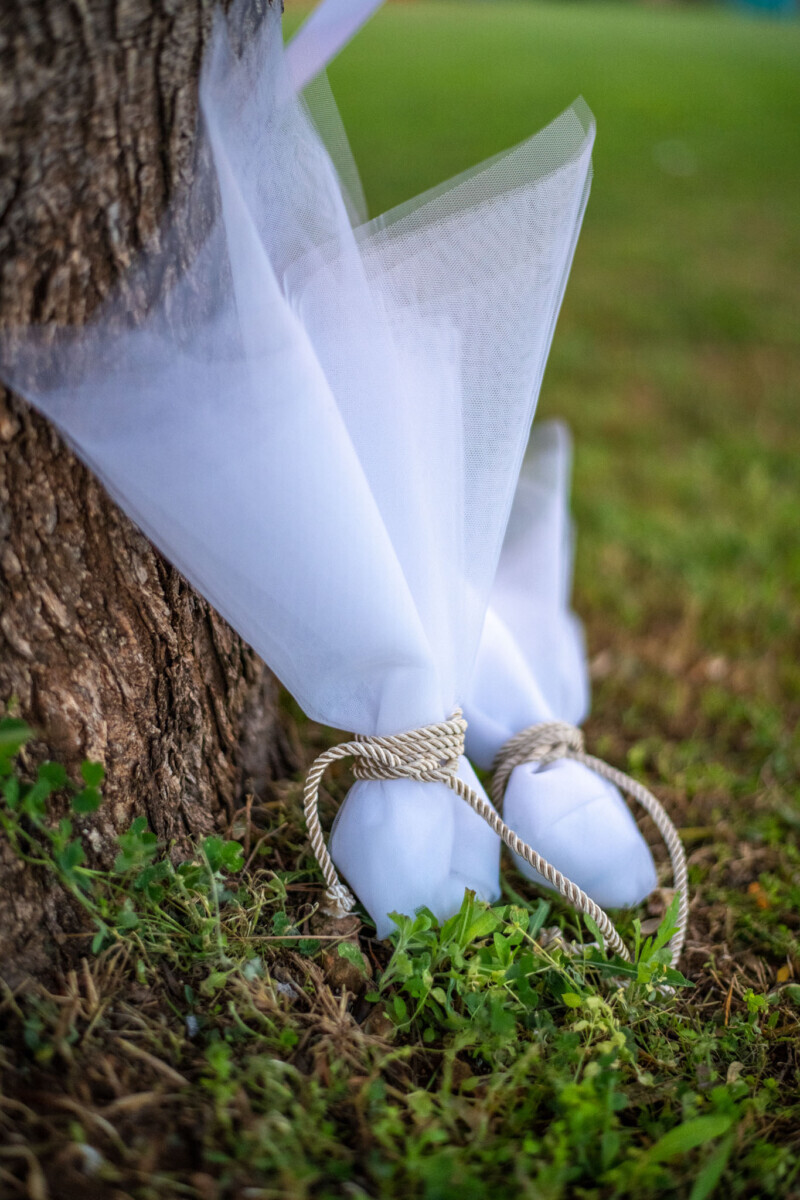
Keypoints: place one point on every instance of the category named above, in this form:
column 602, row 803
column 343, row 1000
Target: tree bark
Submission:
column 109, row 652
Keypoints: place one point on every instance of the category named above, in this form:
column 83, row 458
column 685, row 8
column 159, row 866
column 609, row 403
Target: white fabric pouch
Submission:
column 531, row 668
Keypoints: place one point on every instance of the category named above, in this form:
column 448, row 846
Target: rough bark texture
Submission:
column 110, row 653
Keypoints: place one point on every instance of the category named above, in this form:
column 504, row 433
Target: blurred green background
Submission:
column 677, row 356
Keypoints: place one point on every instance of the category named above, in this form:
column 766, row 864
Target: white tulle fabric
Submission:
column 531, row 663
column 322, row 35
column 531, row 667
column 322, row 426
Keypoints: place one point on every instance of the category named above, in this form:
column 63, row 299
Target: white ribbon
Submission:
column 321, row 37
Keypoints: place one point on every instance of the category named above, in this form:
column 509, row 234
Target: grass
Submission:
column 220, row 1039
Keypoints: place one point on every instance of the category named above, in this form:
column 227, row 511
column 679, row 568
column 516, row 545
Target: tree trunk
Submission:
column 109, row 652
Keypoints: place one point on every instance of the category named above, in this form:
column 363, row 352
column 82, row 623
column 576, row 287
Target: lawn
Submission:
column 207, row 1048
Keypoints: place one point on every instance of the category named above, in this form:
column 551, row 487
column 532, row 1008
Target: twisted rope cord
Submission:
column 430, row 754
column 552, row 740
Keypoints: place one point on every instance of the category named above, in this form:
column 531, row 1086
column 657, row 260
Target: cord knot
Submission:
column 339, row 900
column 429, row 753
column 543, row 743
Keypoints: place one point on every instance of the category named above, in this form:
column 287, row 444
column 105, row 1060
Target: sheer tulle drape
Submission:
column 322, row 426
column 531, row 664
